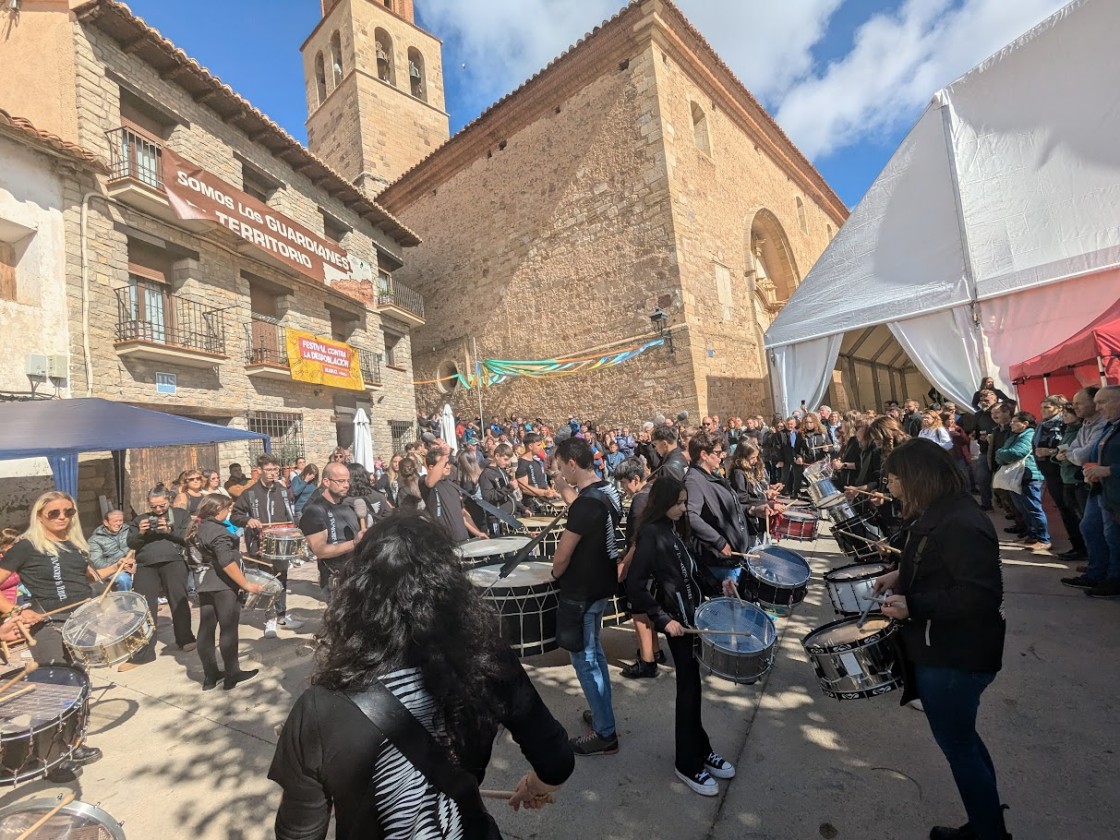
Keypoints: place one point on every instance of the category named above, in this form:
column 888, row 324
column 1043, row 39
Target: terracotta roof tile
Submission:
column 53, row 142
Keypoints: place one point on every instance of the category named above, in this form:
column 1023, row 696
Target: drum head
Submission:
column 779, row 566
column 271, row 585
column 284, row 531
column 57, row 687
column 845, row 633
column 493, row 547
column 115, row 616
column 799, row 515
column 523, row 575
column 858, row 571
column 832, row 500
column 535, row 521
column 730, row 614
column 76, row 820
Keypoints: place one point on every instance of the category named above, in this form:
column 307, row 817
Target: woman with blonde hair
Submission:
column 933, row 429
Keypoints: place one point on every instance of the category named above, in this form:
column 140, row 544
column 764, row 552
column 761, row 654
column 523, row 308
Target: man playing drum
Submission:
column 330, row 525
column 263, row 504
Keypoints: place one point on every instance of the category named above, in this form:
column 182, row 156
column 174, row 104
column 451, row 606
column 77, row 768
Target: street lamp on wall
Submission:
column 660, row 319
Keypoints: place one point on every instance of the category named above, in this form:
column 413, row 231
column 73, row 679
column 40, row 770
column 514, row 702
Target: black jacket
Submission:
column 268, row 506
column 716, row 518
column 788, row 452
column 674, row 464
column 497, row 489
column 218, row 549
column 662, row 570
column 155, row 547
column 951, row 577
column 750, row 493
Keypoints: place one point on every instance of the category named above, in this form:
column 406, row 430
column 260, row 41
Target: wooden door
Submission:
column 149, row 467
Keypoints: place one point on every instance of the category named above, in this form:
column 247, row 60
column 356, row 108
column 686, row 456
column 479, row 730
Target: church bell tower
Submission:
column 374, row 90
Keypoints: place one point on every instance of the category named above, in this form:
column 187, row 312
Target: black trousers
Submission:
column 1072, row 507
column 172, row 577
column 219, row 611
column 692, row 745
column 48, row 642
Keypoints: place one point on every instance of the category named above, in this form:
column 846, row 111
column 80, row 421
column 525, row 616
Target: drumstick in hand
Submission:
column 27, row 688
column 696, row 632
column 27, row 669
column 112, row 580
column 878, row 543
column 39, row 823
column 27, row 637
column 67, row 607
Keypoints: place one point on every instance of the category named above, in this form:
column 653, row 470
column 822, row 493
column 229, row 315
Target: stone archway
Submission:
column 773, row 271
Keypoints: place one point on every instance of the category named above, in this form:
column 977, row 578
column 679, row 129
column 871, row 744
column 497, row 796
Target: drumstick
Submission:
column 880, row 543
column 883, row 496
column 255, row 560
column 67, row 607
column 7, row 652
column 27, row 669
column 16, row 694
column 109, row 585
column 696, row 632
column 26, row 635
column 39, row 823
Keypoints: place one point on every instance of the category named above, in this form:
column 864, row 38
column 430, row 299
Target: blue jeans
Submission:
column 722, row 573
column 1102, row 538
column 951, row 699
column 1029, row 504
column 591, row 668
column 123, row 582
column 983, row 479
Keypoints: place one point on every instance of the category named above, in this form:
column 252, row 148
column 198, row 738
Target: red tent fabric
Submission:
column 1078, row 361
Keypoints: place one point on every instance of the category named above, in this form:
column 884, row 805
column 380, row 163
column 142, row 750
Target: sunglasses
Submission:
column 64, row 513
column 194, row 478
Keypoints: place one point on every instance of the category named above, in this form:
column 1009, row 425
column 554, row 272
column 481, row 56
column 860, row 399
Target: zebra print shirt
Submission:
column 409, row 806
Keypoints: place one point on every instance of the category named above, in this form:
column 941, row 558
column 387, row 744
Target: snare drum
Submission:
column 837, row 507
column 739, row 659
column 40, row 728
column 108, row 630
column 264, row 600
column 853, row 663
column 283, row 543
column 861, row 525
column 74, row 820
column 777, row 578
column 526, row 603
column 820, row 490
column 489, row 552
column 849, row 587
column 552, row 507
column 796, row 525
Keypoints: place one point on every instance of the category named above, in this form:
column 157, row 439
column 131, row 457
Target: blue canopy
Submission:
column 60, row 429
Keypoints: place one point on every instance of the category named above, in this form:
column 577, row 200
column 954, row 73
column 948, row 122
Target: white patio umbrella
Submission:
column 447, row 427
column 363, row 442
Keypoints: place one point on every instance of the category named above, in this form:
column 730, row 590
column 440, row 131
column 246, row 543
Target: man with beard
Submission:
column 331, row 526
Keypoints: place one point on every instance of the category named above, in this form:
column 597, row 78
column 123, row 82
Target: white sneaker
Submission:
column 289, row 622
column 702, row 783
column 719, row 766
column 161, row 600
column 270, row 629
column 916, row 704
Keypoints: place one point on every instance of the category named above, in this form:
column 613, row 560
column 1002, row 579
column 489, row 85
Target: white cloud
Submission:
column 897, row 62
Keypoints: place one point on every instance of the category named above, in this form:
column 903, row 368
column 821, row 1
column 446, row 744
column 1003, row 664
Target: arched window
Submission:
column 416, row 74
column 336, row 58
column 700, row 130
column 383, row 45
column 320, row 78
column 801, row 215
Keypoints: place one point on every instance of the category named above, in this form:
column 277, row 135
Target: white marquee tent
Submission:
column 992, row 234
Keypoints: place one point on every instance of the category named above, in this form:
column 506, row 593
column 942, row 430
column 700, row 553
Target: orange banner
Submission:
column 323, row 362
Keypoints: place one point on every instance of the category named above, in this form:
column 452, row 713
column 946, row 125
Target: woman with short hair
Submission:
column 947, row 597
column 1019, row 446
column 406, row 630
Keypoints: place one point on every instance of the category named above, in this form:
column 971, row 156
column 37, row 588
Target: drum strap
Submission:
column 397, row 724
column 917, row 560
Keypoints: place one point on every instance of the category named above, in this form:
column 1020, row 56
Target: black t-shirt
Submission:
column 52, row 581
column 445, row 505
column 637, row 507
column 592, row 573
column 534, row 471
column 339, row 521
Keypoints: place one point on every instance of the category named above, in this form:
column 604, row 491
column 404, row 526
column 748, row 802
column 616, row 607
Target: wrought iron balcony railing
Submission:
column 150, row 312
column 134, row 156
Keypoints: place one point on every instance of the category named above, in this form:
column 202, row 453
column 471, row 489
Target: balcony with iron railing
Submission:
column 155, row 324
column 371, row 366
column 266, row 349
column 400, row 301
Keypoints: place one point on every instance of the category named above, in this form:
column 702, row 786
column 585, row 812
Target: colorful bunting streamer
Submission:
column 496, row 371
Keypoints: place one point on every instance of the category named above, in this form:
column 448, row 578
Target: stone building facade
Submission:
column 169, row 309
column 634, row 173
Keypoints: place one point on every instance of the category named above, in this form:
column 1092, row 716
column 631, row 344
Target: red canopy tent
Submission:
column 1088, row 357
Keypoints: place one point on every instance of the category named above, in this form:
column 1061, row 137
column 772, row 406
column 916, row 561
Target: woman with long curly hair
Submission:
column 405, row 618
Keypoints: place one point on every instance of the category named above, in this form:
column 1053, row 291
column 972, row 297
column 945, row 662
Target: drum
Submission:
column 283, row 543
column 849, row 587
column 74, row 820
column 41, row 727
column 552, row 507
column 533, row 525
column 796, row 525
column 820, row 490
column 526, row 603
column 777, row 578
column 838, row 508
column 108, row 630
column 263, row 601
column 618, row 611
column 739, row 659
column 862, row 525
column 488, row 552
column 852, row 662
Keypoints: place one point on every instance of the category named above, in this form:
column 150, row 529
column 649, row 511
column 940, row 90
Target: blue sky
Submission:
column 844, row 78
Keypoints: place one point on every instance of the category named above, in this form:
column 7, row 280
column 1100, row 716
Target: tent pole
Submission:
column 478, row 386
column 1045, row 385
column 1100, row 370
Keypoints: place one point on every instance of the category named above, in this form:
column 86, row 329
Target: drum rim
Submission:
column 865, row 693
column 878, row 636
column 736, row 603
column 548, row 583
column 828, row 576
column 80, row 704
column 509, row 549
column 761, row 656
column 76, row 808
column 94, row 606
column 777, row 584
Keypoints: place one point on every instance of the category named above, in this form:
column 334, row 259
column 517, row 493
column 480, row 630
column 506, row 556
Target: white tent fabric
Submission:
column 447, row 427
column 363, row 441
column 1009, row 182
column 797, row 368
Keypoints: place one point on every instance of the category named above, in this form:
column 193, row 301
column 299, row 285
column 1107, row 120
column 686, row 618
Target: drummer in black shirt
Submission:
column 531, row 475
column 496, row 487
column 631, row 477
column 442, row 499
column 330, row 525
column 52, row 560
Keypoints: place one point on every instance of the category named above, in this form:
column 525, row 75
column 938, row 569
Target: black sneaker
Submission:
column 593, row 744
column 1071, row 556
column 1081, row 582
column 719, row 766
column 940, row 832
column 85, row 755
column 701, row 782
column 658, row 658
column 1014, row 530
column 640, row 670
column 1106, row 589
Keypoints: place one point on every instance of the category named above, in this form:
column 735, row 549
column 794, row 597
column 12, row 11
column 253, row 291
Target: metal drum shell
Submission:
column 820, row 490
column 99, row 654
column 867, row 667
column 737, row 666
column 778, row 596
column 797, row 524
column 263, row 601
column 839, row 508
column 849, row 592
column 82, row 817
column 50, row 741
column 284, row 543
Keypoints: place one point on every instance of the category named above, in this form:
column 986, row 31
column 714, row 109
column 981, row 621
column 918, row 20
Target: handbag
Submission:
column 394, row 721
column 1010, row 476
column 569, row 624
